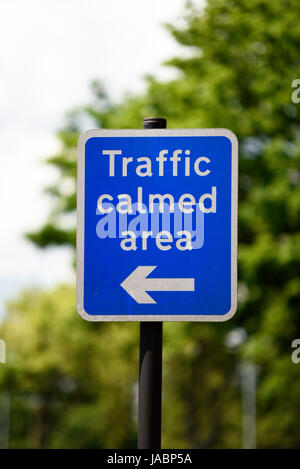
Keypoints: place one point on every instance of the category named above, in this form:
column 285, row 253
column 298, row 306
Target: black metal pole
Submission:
column 150, row 374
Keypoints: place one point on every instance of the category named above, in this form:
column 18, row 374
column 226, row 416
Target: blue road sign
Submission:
column 157, row 225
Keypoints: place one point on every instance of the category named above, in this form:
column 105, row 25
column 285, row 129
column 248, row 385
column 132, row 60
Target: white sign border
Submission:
column 80, row 221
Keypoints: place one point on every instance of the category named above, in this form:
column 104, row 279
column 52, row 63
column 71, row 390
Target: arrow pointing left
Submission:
column 137, row 284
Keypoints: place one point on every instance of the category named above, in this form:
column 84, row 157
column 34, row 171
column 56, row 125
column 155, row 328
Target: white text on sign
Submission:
column 179, row 163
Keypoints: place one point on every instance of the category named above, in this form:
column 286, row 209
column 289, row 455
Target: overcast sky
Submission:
column 50, row 50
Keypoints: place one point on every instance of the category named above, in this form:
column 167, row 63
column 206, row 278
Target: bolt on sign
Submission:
column 157, row 225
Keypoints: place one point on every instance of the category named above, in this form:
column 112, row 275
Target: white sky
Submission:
column 50, row 51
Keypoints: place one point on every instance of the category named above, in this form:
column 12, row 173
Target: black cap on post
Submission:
column 154, row 123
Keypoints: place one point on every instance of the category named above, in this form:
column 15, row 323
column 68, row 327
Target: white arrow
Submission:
column 137, row 284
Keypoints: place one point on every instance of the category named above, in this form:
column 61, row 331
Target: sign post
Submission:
column 156, row 237
column 150, row 365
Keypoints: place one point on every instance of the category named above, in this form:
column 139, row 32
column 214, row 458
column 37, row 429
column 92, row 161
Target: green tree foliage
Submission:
column 68, row 386
column 242, row 58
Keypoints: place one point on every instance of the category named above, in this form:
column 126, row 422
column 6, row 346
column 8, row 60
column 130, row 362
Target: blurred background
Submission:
column 70, row 65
